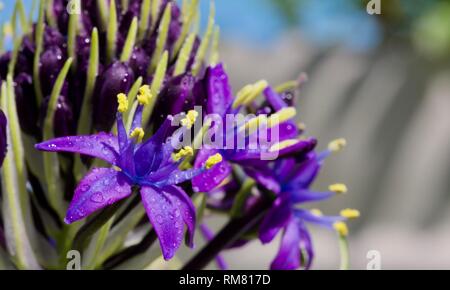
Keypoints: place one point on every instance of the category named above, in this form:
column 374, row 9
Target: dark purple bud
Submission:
column 25, row 57
column 4, row 62
column 3, row 141
column 175, row 26
column 53, row 37
column 139, row 62
column 64, row 122
column 176, row 97
column 27, row 109
column 52, row 61
column 117, row 78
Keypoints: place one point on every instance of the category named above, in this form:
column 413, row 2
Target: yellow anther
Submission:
column 301, row 126
column 190, row 119
column 138, row 133
column 145, row 95
column 283, row 145
column 338, row 188
column 337, row 145
column 257, row 89
column 316, row 212
column 123, row 103
column 213, row 160
column 186, row 151
column 252, row 125
column 281, row 116
column 118, row 169
column 350, row 213
column 242, row 95
column 341, row 228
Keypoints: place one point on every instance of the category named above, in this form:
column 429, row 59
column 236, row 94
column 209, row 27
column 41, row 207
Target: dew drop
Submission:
column 97, row 197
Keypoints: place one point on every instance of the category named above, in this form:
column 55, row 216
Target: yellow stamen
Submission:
column 316, row 212
column 242, row 95
column 123, row 103
column 337, row 145
column 190, row 119
column 186, row 151
column 118, row 169
column 138, row 133
column 283, row 145
column 145, row 95
column 258, row 88
column 252, row 125
column 213, row 160
column 350, row 213
column 301, row 126
column 282, row 116
column 338, row 188
column 341, row 228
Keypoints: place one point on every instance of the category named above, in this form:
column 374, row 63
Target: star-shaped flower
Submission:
column 151, row 168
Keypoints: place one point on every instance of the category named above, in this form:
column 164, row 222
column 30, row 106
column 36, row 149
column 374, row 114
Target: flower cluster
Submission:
column 108, row 85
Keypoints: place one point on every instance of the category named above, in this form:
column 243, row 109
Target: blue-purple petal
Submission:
column 213, row 177
column 103, row 146
column 278, row 216
column 166, row 220
column 288, row 257
column 100, row 188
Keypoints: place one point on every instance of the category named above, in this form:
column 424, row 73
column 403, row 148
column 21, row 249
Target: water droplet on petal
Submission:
column 97, row 197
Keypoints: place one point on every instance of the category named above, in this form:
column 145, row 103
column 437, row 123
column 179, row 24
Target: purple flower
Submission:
column 150, row 168
column 3, row 141
column 292, row 178
column 219, row 101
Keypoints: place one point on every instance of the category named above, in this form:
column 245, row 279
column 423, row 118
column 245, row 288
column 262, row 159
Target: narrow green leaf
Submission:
column 205, row 41
column 156, row 6
column 145, row 17
column 91, row 255
column 72, row 37
column 185, row 53
column 14, row 189
column 188, row 20
column 14, row 56
column 130, row 41
column 157, row 82
column 19, row 155
column 31, row 15
column 51, row 17
column 214, row 57
column 85, row 121
column 22, row 16
column 103, row 14
column 200, row 206
column 125, row 5
column 111, row 36
column 39, row 40
column 131, row 103
column 51, row 162
column 13, row 22
column 344, row 252
column 241, row 198
column 163, row 32
column 119, row 233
